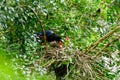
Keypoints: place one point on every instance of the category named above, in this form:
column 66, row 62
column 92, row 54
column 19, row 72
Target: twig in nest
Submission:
column 49, row 63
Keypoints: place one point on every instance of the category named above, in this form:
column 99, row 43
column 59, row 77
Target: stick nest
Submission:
column 82, row 66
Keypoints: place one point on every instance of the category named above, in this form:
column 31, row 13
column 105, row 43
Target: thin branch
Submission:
column 94, row 45
column 36, row 14
column 108, row 44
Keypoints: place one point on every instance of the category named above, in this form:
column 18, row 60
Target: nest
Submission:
column 66, row 62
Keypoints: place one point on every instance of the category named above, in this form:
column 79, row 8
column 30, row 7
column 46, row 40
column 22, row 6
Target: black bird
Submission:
column 50, row 37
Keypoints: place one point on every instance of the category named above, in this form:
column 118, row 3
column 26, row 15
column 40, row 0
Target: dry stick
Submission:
column 47, row 64
column 68, row 72
column 45, row 38
column 92, row 46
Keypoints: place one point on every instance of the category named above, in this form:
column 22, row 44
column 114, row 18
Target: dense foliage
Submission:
column 92, row 25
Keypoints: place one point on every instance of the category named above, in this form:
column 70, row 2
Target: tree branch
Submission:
column 94, row 45
column 45, row 38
